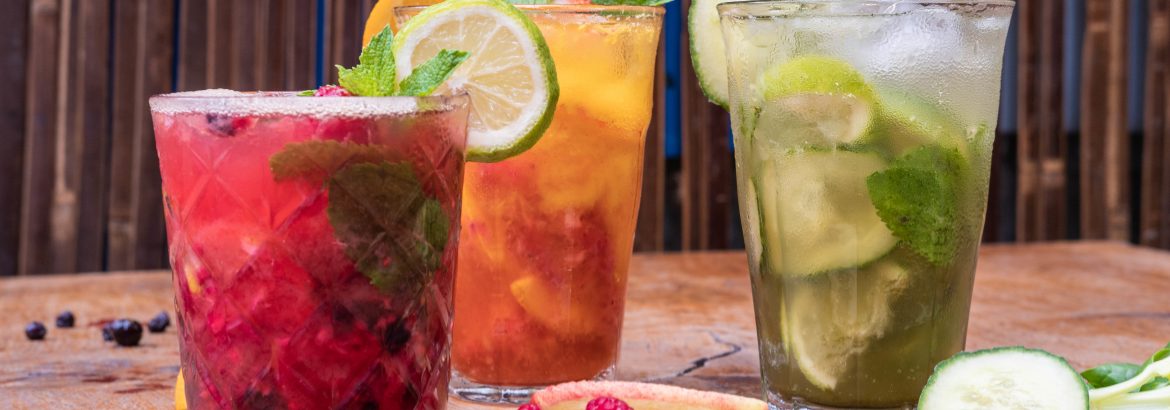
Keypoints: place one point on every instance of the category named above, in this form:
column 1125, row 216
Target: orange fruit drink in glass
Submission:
column 547, row 235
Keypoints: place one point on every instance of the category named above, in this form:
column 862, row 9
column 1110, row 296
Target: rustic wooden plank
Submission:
column 13, row 51
column 220, row 32
column 1155, row 189
column 246, row 55
column 86, row 122
column 1041, row 202
column 143, row 36
column 302, row 45
column 707, row 186
column 38, row 238
column 193, row 45
column 1104, row 136
column 650, row 235
column 346, row 20
column 689, row 322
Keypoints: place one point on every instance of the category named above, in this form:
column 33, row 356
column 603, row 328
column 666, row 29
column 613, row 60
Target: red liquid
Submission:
column 278, row 298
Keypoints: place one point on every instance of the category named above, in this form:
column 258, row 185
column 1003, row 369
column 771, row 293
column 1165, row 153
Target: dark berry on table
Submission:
column 107, row 332
column 159, row 322
column 65, row 319
column 35, row 331
column 126, row 332
column 332, row 91
column 529, row 406
column 396, row 336
column 607, row 403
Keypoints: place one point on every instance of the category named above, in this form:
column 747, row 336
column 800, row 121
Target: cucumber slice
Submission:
column 1004, row 378
column 816, row 214
column 707, row 50
column 834, row 318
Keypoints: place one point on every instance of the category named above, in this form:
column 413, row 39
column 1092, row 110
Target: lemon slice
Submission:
column 510, row 75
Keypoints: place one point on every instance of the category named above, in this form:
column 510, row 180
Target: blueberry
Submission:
column 222, row 124
column 126, row 332
column 107, row 332
column 396, row 336
column 65, row 319
column 35, row 331
column 159, row 323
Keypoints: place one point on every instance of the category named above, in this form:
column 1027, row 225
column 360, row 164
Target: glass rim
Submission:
column 290, row 103
column 768, row 4
column 570, row 8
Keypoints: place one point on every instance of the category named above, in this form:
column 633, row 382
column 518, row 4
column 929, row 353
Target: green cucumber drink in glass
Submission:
column 863, row 134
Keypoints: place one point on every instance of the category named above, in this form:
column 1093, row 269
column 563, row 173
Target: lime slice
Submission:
column 836, row 317
column 707, row 50
column 906, row 122
column 815, row 101
column 510, row 75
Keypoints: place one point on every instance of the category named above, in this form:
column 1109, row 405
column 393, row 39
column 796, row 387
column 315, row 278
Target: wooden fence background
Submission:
column 79, row 187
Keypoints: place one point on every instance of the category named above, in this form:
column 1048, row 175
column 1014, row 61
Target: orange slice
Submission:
column 641, row 396
column 383, row 15
column 553, row 308
column 180, row 393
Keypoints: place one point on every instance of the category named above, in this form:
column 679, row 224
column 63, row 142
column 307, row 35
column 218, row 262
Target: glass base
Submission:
column 466, row 389
column 775, row 402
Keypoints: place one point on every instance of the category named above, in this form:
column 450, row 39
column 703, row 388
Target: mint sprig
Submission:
column 375, row 74
column 917, row 199
column 428, row 76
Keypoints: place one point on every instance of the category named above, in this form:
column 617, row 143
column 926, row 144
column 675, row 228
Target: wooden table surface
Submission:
column 689, row 322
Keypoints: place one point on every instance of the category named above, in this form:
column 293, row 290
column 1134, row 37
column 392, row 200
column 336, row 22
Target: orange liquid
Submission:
column 547, row 235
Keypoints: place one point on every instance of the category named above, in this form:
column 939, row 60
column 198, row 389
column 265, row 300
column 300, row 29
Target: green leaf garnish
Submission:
column 374, row 74
column 427, row 77
column 392, row 230
column 1110, row 374
column 317, row 160
column 307, row 93
column 917, row 198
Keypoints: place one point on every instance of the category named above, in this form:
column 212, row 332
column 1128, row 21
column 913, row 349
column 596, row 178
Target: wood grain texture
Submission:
column 1105, row 147
column 689, row 322
column 707, row 187
column 1041, row 205
column 1155, row 189
column 13, row 50
column 650, row 233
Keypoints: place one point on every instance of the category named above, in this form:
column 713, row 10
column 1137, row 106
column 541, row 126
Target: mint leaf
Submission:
column 430, row 75
column 316, row 160
column 631, row 2
column 374, row 74
column 1110, row 374
column 917, row 198
column 393, row 232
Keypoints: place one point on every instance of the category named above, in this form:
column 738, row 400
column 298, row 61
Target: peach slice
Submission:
column 554, row 308
column 641, row 396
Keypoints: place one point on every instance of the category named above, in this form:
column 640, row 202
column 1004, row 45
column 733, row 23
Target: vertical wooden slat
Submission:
column 193, row 45
column 301, row 44
column 651, row 213
column 1040, row 203
column 1104, row 140
column 708, row 180
column 346, row 20
column 86, row 63
column 13, row 50
column 244, row 56
column 38, row 238
column 143, row 38
column 1155, row 190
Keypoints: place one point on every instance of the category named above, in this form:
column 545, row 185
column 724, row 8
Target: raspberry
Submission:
column 332, row 91
column 529, row 406
column 607, row 403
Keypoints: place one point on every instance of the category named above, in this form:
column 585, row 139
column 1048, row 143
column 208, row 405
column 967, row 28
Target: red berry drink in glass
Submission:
column 313, row 242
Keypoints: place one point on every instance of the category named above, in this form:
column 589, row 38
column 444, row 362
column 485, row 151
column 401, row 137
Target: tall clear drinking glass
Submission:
column 548, row 234
column 863, row 134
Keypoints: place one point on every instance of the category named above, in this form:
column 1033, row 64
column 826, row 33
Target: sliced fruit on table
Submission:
column 1004, row 378
column 509, row 74
column 556, row 310
column 815, row 101
column 826, row 331
column 641, row 396
column 815, row 212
